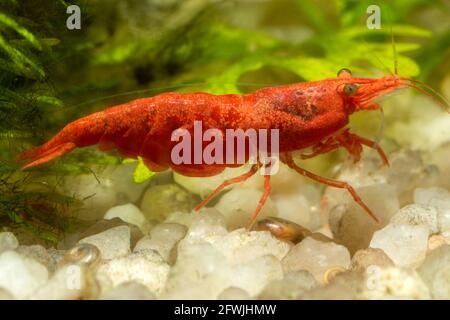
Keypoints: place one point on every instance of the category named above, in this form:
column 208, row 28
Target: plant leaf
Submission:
column 7, row 21
column 141, row 172
column 26, row 65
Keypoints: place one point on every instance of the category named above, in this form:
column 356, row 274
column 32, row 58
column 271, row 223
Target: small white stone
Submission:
column 181, row 217
column 241, row 246
column 98, row 192
column 405, row 244
column 203, row 272
column 211, row 260
column 299, row 206
column 207, row 225
column 367, row 258
column 316, row 257
column 129, row 291
column 351, row 225
column 415, row 214
column 145, row 267
column 121, row 177
column 413, row 132
column 291, row 286
column 67, row 283
column 112, row 243
column 161, row 200
column 21, row 276
column 162, row 239
column 130, row 214
column 8, row 241
column 254, row 275
column 238, row 205
column 405, row 171
column 200, row 272
column 435, row 271
column 103, row 189
column 394, row 283
column 438, row 198
column 38, row 253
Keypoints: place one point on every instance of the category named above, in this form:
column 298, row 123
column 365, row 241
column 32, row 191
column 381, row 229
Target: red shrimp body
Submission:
column 311, row 114
column 144, row 127
column 304, row 113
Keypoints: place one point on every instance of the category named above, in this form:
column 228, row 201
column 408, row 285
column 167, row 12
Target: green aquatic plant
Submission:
column 34, row 206
column 25, row 97
column 141, row 172
column 192, row 52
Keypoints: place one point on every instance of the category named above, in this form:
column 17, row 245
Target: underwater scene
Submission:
column 224, row 149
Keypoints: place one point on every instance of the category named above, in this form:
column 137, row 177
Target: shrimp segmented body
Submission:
column 312, row 115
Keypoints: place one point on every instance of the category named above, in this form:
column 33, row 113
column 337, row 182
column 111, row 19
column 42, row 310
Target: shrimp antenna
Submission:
column 161, row 88
column 427, row 90
column 394, row 52
column 416, row 84
column 394, row 48
column 385, row 67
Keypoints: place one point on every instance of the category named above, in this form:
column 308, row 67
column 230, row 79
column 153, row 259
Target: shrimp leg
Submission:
column 261, row 202
column 227, row 183
column 330, row 182
column 238, row 179
column 322, row 147
column 352, row 139
column 351, row 142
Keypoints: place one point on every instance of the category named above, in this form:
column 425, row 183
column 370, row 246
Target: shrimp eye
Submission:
column 344, row 72
column 350, row 89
